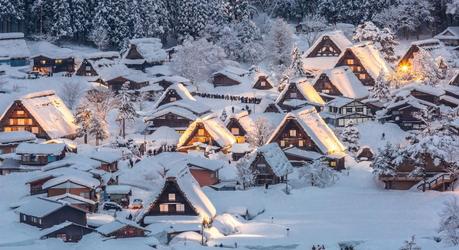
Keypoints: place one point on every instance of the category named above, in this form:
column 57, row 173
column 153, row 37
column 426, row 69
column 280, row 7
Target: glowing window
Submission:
column 333, row 164
column 350, row 61
column 362, row 76
column 201, row 132
column 173, row 99
column 21, row 121
column 292, row 132
column 164, row 208
column 300, row 143
column 58, row 61
column 171, row 197
column 235, row 131
column 180, row 208
column 20, row 112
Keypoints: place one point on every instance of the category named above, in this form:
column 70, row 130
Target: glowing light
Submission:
column 404, row 68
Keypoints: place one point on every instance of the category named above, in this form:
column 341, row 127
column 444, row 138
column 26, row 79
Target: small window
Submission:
column 301, row 143
column 282, row 143
column 180, row 207
column 171, row 197
column 348, row 110
column 11, row 121
column 350, row 61
column 20, row 112
column 58, row 61
column 163, row 208
column 39, row 221
column 88, row 68
column 43, row 61
column 173, row 99
column 263, row 84
column 362, row 76
column 293, row 95
column 235, row 131
column 360, row 110
column 201, row 132
column 292, row 132
column 333, row 164
column 7, row 129
column 35, row 130
column 21, row 121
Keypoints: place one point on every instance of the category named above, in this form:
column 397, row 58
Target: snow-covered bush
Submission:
column 410, row 244
column 197, row 59
column 244, row 171
column 317, row 174
column 226, row 224
column 126, row 110
column 278, row 46
column 260, row 133
column 350, row 137
column 449, row 223
column 381, row 89
column 384, row 39
column 383, row 164
column 71, row 92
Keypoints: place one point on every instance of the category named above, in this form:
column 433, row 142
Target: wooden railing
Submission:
column 435, row 181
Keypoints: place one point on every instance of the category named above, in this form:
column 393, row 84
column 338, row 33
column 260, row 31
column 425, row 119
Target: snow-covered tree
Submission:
column 381, row 89
column 192, row 17
column 83, row 117
column 11, row 9
column 317, row 174
column 126, row 109
column 98, row 128
column 383, row 163
column 410, row 244
column 149, row 18
column 61, row 23
column 81, row 13
column 101, row 101
column 197, row 59
column 296, row 68
column 237, row 9
column 71, row 92
column 384, row 39
column 112, row 17
column 312, row 26
column 260, row 133
column 245, row 173
column 449, row 223
column 366, row 31
column 350, row 137
column 425, row 68
column 278, row 46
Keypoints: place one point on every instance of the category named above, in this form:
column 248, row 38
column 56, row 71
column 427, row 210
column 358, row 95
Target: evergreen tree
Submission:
column 237, row 9
column 383, row 164
column 112, row 18
column 245, row 172
column 449, row 223
column 98, row 128
column 12, row 9
column 81, row 13
column 350, row 137
column 61, row 23
column 387, row 42
column 410, row 244
column 278, row 46
column 381, row 89
column 192, row 17
column 425, row 68
column 149, row 18
column 83, row 117
column 126, row 109
column 296, row 69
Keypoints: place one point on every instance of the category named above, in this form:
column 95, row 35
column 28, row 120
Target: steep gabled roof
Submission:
column 41, row 207
column 79, row 180
column 217, row 130
column 316, row 128
column 275, row 158
column 180, row 89
column 371, row 59
column 337, row 37
column 150, row 49
column 346, row 82
column 451, row 32
column 306, row 90
column 116, row 225
column 177, row 110
column 50, row 112
column 235, row 73
column 49, row 50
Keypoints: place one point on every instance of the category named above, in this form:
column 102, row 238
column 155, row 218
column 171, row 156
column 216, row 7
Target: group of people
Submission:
column 242, row 99
column 318, row 247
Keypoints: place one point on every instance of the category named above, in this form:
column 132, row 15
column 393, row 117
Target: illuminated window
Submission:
column 263, row 83
column 333, row 164
column 201, row 132
column 171, row 197
column 35, row 130
column 21, row 121
column 292, row 132
column 28, row 121
column 282, row 143
column 20, row 112
column 58, row 61
column 359, row 68
column 235, row 131
column 11, row 121
column 173, row 99
column 362, row 76
column 180, row 207
column 300, row 143
column 163, row 208
column 43, row 61
column 350, row 61
column 7, row 129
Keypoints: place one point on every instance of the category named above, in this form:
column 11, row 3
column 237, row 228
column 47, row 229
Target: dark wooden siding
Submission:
column 222, row 80
column 325, row 86
column 351, row 60
column 12, row 113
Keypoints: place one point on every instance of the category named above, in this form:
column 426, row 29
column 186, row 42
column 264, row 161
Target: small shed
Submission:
column 365, row 153
column 119, row 193
column 67, row 232
column 121, row 228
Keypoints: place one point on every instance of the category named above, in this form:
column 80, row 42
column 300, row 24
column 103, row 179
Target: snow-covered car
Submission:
column 137, row 204
column 107, row 206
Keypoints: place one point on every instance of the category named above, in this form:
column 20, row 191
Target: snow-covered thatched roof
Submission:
column 69, row 198
column 307, row 91
column 81, row 179
column 217, row 130
column 39, row 207
column 243, row 76
column 177, row 110
column 452, row 32
column 176, row 166
column 275, row 158
column 40, row 149
column 16, row 136
column 371, row 59
column 346, row 82
column 112, row 71
column 49, row 50
column 337, row 37
column 316, row 128
column 116, row 225
column 13, row 45
column 102, row 55
column 50, row 112
column 150, row 49
column 187, row 101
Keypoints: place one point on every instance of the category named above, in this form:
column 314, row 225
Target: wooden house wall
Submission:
column 71, row 233
column 82, row 191
column 171, row 120
column 407, row 59
column 133, row 53
column 40, row 160
column 301, row 140
column 171, row 187
column 117, row 83
column 325, row 48
column 292, row 89
column 36, row 187
column 403, row 116
column 264, row 175
column 128, row 232
column 234, row 123
column 205, row 138
column 169, row 97
column 66, row 213
column 223, row 80
column 30, row 123
column 204, row 177
column 50, row 65
column 109, row 167
column 324, row 85
column 86, row 69
column 351, row 60
column 271, row 108
column 261, row 79
column 425, row 96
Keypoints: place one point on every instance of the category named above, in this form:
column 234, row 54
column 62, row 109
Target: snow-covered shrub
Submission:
column 278, row 46
column 260, row 133
column 383, row 164
column 197, row 59
column 410, row 244
column 317, row 174
column 226, row 224
column 244, row 171
column 449, row 223
column 384, row 39
column 350, row 137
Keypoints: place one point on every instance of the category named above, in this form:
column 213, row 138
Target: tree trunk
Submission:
column 124, row 128
column 97, row 140
column 85, row 138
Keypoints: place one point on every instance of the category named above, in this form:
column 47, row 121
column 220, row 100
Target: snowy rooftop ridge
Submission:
column 276, row 158
column 16, row 136
column 336, row 36
column 346, row 82
column 13, row 45
column 45, row 149
column 371, row 59
column 306, row 89
column 151, row 50
column 49, row 50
